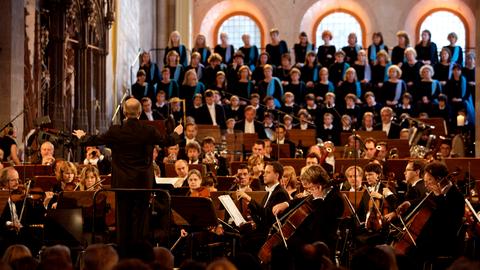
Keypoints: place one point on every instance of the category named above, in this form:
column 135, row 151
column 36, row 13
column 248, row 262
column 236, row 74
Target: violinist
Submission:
column 327, row 207
column 378, row 192
column 262, row 212
column 17, row 213
column 439, row 236
column 89, row 179
column 194, row 179
column 66, row 180
column 354, row 175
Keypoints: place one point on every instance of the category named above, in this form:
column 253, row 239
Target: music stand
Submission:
column 197, row 211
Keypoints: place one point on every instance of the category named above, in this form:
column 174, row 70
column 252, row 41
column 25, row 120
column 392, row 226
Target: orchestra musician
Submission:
column 195, row 182
column 327, row 207
column 89, row 179
column 262, row 213
column 18, row 213
column 377, row 190
column 354, row 175
column 66, row 180
column 416, row 189
column 132, row 167
column 440, row 236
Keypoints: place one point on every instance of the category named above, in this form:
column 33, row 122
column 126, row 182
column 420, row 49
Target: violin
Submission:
column 19, row 194
column 374, row 220
column 200, row 192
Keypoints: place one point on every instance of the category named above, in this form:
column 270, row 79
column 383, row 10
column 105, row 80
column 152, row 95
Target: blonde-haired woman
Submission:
column 172, row 62
column 201, row 47
column 289, row 181
column 174, row 44
column 89, row 179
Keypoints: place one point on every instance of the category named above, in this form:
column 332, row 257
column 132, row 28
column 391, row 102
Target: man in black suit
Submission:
column 281, row 133
column 249, row 125
column 392, row 129
column 211, row 113
column 322, row 223
column 415, row 190
column 262, row 213
column 132, row 148
column 148, row 113
column 440, row 236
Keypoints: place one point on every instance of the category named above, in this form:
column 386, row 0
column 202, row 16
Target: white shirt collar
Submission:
column 272, row 188
column 328, row 127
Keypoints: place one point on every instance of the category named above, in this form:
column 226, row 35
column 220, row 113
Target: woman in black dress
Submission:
column 398, row 52
column 411, row 69
column 326, row 52
column 301, row 48
column 202, row 48
column 224, row 49
column 426, row 49
column 276, row 48
column 174, row 44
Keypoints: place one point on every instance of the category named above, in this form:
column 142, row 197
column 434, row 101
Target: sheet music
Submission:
column 232, row 209
column 167, row 180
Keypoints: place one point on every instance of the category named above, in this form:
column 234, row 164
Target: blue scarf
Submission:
column 385, row 75
column 145, row 92
column 271, row 89
column 436, row 84
column 468, row 101
column 450, row 69
column 228, row 52
column 251, row 58
column 373, row 51
column 170, row 89
column 398, row 90
column 204, row 55
column 358, row 89
column 357, row 48
column 345, row 67
column 199, row 89
column 152, row 71
column 181, row 50
column 455, row 54
column 176, row 74
column 315, row 73
column 368, row 72
column 331, row 87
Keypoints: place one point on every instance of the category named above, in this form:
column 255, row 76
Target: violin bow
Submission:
column 281, row 232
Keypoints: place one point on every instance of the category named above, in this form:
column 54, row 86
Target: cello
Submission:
column 294, row 219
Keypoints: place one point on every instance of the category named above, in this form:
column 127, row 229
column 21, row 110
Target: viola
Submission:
column 374, row 220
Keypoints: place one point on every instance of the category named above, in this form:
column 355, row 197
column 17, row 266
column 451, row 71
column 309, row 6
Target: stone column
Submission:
column 183, row 21
column 12, row 63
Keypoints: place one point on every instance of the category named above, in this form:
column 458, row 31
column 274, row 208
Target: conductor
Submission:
column 132, row 147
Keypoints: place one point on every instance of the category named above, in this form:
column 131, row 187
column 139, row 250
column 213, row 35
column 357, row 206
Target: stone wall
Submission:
column 12, row 62
column 134, row 30
column 294, row 16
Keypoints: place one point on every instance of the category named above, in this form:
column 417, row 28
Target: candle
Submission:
column 460, row 120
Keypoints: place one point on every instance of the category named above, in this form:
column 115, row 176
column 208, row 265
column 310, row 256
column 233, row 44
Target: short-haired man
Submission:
column 211, row 113
column 193, row 152
column 181, row 169
column 249, row 125
column 327, row 207
column 262, row 212
column 370, row 148
column 148, row 113
column 388, row 126
column 281, row 133
column 47, row 151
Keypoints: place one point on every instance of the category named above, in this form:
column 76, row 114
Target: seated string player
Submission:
column 66, row 181
column 354, row 175
column 89, row 179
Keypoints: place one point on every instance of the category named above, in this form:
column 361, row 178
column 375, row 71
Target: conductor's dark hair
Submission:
column 437, row 169
column 373, row 167
column 277, row 168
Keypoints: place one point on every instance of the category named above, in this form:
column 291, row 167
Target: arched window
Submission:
column 237, row 25
column 440, row 24
column 341, row 24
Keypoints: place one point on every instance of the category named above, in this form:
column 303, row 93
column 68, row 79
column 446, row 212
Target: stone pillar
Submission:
column 477, row 79
column 12, row 63
column 183, row 21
